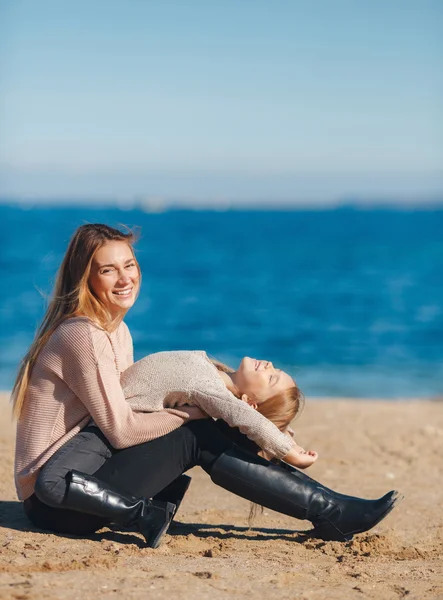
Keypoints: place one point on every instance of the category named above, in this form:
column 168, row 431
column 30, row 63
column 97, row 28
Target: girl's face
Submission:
column 259, row 380
column 115, row 277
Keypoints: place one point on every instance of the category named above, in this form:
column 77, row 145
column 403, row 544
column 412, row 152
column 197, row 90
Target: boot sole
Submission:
column 154, row 542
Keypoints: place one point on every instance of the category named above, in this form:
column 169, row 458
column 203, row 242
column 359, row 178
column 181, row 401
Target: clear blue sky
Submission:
column 289, row 100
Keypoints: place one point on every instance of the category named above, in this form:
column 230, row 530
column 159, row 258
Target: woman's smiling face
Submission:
column 260, row 380
column 115, row 277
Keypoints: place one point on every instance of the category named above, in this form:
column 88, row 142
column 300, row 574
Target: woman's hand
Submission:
column 193, row 412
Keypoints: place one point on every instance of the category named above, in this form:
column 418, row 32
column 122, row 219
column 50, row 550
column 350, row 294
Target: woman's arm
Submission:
column 89, row 369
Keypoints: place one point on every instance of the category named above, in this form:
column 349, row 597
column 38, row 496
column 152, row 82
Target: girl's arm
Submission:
column 218, row 402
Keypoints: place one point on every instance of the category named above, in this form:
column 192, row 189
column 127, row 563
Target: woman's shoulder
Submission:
column 73, row 324
column 76, row 329
column 123, row 331
column 80, row 340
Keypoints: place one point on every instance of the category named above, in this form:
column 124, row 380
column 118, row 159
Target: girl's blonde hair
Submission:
column 72, row 296
column 281, row 408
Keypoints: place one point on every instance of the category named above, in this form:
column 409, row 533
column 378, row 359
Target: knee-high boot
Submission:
column 288, row 491
column 88, row 494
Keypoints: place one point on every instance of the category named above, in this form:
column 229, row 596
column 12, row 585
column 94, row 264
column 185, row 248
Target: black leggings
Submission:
column 143, row 470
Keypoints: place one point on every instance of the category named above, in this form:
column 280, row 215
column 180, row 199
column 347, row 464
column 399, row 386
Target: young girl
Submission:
column 257, row 398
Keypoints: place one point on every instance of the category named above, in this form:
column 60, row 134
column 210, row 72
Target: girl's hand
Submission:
column 194, row 412
column 301, row 458
column 306, row 459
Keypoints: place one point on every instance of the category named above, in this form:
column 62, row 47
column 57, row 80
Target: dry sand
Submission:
column 365, row 447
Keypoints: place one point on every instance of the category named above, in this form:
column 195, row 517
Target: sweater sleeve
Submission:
column 222, row 404
column 89, row 369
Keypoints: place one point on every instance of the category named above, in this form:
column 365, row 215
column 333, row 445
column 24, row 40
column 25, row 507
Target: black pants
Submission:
column 142, row 470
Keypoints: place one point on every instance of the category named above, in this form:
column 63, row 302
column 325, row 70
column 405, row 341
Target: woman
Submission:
column 84, row 458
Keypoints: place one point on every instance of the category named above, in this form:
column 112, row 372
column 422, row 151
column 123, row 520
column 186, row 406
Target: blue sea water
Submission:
column 348, row 301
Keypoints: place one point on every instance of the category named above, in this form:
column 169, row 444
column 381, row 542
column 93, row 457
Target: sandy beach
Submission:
column 366, row 448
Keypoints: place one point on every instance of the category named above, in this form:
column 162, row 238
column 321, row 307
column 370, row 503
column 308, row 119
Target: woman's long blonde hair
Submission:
column 72, row 296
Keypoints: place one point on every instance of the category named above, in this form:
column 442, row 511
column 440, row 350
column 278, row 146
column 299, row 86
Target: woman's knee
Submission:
column 86, row 452
column 50, row 488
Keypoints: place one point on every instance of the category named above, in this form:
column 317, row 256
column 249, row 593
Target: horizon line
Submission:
column 156, row 204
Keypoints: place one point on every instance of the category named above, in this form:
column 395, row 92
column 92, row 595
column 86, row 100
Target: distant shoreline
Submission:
column 161, row 205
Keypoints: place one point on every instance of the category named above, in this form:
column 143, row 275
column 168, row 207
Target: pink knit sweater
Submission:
column 77, row 377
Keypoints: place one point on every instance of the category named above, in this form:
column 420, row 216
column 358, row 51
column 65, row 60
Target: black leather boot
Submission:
column 174, row 492
column 301, row 475
column 88, row 494
column 288, row 491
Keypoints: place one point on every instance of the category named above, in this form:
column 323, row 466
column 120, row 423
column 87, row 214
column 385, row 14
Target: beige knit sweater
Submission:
column 171, row 379
column 77, row 377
